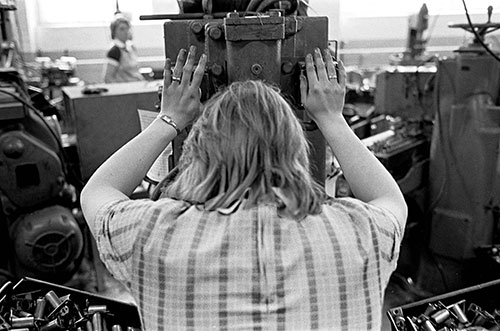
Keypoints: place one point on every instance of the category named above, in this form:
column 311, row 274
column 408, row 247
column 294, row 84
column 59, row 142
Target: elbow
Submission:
column 86, row 202
column 402, row 213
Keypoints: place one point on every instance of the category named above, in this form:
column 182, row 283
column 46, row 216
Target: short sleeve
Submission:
column 382, row 226
column 116, row 230
column 114, row 53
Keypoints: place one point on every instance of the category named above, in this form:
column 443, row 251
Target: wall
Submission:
column 369, row 41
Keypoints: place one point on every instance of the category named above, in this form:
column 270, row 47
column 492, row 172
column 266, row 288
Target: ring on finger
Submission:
column 330, row 77
column 176, row 79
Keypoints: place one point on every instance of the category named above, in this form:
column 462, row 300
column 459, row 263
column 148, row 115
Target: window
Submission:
column 388, row 8
column 96, row 12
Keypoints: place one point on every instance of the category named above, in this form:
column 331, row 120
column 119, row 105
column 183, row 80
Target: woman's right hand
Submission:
column 181, row 87
column 321, row 93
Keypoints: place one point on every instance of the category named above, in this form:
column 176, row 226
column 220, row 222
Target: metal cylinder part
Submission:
column 97, row 322
column 21, row 313
column 116, row 327
column 53, row 299
column 462, row 318
column 52, row 325
column 22, row 322
column 40, row 308
column 440, row 316
column 97, row 309
column 427, row 326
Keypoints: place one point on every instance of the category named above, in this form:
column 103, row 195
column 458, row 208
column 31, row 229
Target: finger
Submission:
column 187, row 70
column 320, row 65
column 342, row 74
column 303, row 89
column 167, row 73
column 312, row 78
column 330, row 65
column 199, row 72
column 179, row 63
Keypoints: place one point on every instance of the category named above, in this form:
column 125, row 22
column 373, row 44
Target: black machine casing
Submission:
column 38, row 232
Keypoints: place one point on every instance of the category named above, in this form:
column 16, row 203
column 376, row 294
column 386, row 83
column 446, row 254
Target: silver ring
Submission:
column 176, row 79
column 330, row 77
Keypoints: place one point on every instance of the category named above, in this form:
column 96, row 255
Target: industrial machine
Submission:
column 264, row 40
column 464, row 175
column 39, row 235
column 444, row 151
column 43, row 237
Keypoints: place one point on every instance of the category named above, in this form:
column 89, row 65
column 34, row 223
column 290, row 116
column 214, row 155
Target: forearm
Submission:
column 367, row 177
column 110, row 73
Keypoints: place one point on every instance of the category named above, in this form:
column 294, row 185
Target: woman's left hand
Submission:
column 181, row 87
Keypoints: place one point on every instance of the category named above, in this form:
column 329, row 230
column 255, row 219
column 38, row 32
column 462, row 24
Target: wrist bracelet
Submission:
column 167, row 119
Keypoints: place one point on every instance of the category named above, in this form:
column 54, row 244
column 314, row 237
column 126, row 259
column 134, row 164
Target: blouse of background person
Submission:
column 243, row 237
column 121, row 60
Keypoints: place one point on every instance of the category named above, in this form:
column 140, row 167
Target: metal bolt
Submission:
column 215, row 32
column 287, row 67
column 216, row 69
column 256, row 69
column 13, row 148
column 196, row 27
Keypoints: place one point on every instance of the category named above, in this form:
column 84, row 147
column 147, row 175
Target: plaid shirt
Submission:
column 191, row 269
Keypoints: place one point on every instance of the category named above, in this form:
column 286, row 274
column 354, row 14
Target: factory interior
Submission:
column 422, row 94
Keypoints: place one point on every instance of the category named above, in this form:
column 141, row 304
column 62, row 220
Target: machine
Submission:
column 444, row 152
column 39, row 235
column 264, row 40
column 464, row 175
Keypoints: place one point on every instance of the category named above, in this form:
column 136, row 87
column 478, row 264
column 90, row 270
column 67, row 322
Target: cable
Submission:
column 478, row 37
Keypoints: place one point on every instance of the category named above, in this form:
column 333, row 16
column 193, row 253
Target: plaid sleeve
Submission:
column 380, row 224
column 117, row 228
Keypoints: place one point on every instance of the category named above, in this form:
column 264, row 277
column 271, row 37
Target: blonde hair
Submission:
column 247, row 146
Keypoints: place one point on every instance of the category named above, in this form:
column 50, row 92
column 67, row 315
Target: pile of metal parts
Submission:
column 439, row 317
column 43, row 310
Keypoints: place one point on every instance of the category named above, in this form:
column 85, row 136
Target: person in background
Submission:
column 121, row 60
column 243, row 237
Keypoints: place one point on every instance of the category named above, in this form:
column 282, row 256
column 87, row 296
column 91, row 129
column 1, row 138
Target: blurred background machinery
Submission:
column 443, row 148
column 464, row 170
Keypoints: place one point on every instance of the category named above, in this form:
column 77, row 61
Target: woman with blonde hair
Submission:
column 242, row 237
column 247, row 147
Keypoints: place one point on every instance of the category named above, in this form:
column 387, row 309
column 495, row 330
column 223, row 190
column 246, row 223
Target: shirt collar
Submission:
column 127, row 45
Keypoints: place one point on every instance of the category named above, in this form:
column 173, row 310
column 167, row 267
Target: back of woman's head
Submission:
column 247, row 146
